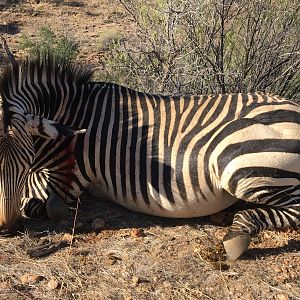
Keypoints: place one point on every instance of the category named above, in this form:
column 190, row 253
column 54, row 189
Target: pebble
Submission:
column 98, row 224
column 220, row 233
column 277, row 269
column 135, row 280
column 52, row 284
column 30, row 278
column 136, row 232
column 67, row 237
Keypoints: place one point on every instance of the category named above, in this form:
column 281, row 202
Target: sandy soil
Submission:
column 113, row 253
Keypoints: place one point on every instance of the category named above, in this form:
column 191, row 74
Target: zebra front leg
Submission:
column 249, row 222
column 54, row 207
column 33, row 208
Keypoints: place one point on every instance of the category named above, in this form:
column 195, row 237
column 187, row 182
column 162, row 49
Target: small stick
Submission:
column 74, row 224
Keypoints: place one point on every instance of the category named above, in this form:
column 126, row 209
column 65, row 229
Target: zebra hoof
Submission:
column 236, row 244
column 56, row 208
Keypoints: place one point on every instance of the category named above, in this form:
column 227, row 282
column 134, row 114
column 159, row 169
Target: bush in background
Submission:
column 109, row 38
column 211, row 46
column 47, row 41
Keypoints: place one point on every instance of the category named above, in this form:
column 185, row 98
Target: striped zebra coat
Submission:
column 170, row 156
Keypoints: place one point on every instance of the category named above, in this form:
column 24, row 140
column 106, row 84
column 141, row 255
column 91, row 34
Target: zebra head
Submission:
column 17, row 130
column 33, row 106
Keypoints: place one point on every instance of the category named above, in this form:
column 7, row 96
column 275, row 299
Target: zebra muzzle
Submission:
column 11, row 230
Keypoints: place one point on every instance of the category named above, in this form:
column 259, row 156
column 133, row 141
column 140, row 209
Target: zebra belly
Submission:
column 160, row 206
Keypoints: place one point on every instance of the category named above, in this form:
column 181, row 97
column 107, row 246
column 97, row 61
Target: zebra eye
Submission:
column 43, row 127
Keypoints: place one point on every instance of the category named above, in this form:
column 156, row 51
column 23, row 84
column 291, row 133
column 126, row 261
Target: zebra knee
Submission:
column 33, row 208
column 249, row 221
column 54, row 207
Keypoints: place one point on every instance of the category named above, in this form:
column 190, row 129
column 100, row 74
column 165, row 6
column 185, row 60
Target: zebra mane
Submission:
column 43, row 65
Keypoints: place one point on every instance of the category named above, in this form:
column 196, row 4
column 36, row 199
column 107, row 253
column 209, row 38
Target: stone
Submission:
column 136, row 232
column 136, row 280
column 30, row 278
column 52, row 284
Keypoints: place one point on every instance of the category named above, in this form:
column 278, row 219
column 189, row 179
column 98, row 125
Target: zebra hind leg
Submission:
column 278, row 211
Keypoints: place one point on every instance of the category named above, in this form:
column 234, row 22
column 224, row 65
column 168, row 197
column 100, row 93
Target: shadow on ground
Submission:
column 293, row 246
column 117, row 217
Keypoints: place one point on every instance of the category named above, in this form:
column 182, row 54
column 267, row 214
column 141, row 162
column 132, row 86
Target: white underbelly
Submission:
column 160, row 206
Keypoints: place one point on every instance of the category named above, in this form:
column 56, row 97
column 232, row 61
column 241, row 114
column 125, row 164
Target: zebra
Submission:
column 171, row 156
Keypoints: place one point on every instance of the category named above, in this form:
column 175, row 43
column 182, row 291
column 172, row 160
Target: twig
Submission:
column 8, row 52
column 74, row 224
column 46, row 249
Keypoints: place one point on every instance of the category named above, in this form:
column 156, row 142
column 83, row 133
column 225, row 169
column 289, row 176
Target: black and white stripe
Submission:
column 173, row 156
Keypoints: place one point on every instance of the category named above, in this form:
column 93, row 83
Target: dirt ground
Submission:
column 103, row 251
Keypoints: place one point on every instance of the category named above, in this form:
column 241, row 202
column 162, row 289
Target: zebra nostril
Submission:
column 11, row 230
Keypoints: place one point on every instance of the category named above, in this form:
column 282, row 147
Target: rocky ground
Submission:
column 103, row 251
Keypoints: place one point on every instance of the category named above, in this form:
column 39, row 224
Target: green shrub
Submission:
column 109, row 38
column 47, row 41
column 192, row 46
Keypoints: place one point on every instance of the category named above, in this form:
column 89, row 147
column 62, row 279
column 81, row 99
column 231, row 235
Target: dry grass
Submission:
column 134, row 256
column 142, row 257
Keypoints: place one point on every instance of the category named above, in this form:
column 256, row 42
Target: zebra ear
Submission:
column 43, row 127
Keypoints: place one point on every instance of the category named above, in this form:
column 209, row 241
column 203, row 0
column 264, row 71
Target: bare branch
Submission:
column 211, row 46
column 9, row 54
